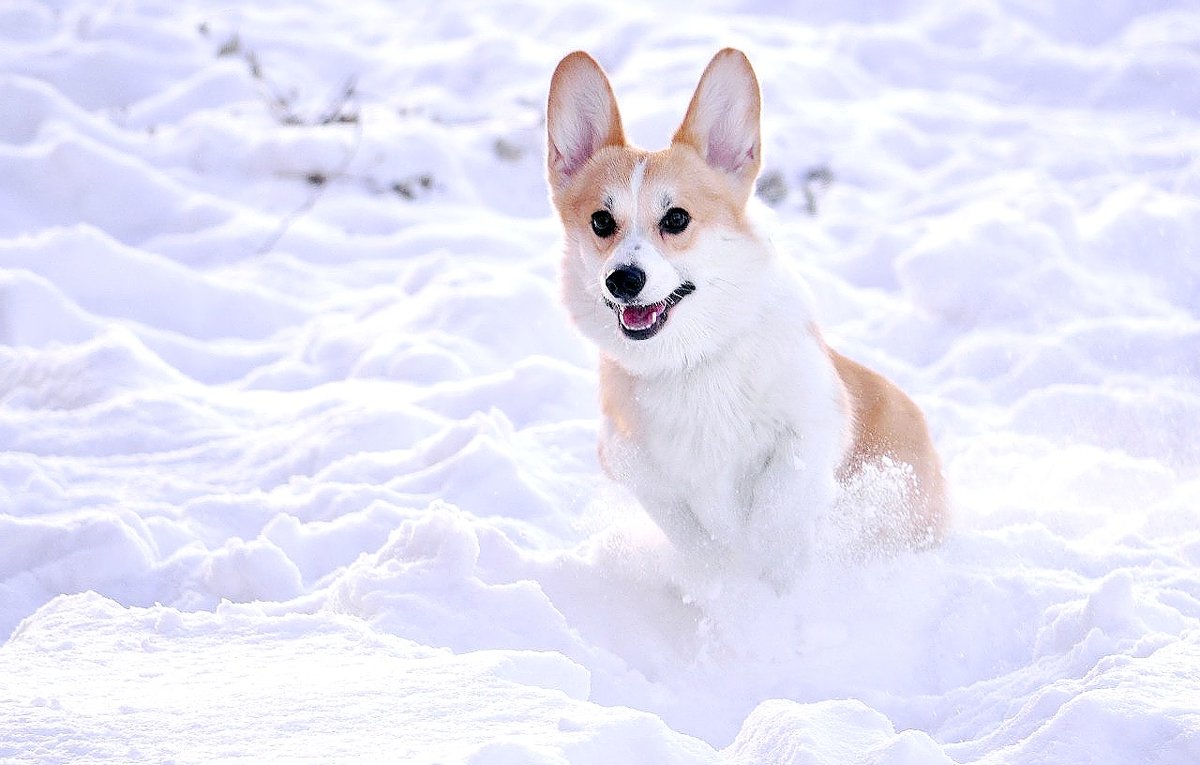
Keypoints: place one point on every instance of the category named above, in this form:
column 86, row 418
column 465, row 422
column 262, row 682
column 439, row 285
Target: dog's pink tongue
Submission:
column 639, row 316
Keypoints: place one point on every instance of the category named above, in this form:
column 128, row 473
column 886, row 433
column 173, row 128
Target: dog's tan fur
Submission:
column 888, row 424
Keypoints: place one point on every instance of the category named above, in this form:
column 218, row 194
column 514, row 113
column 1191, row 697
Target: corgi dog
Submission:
column 739, row 430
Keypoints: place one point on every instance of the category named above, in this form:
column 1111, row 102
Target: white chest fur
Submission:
column 734, row 458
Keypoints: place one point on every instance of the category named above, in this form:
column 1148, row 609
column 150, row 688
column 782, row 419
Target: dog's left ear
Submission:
column 581, row 117
column 722, row 122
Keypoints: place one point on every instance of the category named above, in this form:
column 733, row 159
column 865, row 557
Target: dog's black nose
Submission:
column 625, row 282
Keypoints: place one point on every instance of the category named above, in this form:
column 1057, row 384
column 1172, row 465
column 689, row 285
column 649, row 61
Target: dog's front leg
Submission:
column 788, row 498
column 682, row 525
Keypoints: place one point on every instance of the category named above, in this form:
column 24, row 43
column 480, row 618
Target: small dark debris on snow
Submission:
column 772, row 188
column 411, row 187
column 816, row 181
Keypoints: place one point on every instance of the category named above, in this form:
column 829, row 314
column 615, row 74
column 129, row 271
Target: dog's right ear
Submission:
column 722, row 121
column 581, row 117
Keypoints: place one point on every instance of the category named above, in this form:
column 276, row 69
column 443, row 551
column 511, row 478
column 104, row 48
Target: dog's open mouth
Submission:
column 640, row 322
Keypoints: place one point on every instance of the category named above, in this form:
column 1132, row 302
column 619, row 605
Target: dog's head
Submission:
column 660, row 259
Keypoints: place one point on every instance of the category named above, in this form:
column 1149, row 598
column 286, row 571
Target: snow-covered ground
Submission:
column 297, row 446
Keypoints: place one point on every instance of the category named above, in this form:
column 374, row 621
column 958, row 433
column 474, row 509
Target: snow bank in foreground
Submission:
column 239, row 683
column 298, row 447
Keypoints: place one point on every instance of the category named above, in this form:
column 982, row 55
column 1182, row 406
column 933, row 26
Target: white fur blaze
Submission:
column 581, row 117
column 635, row 181
column 722, row 121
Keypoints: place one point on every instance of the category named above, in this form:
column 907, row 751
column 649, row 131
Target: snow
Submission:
column 299, row 445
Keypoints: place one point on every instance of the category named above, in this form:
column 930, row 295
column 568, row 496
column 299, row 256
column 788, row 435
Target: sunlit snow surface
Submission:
column 298, row 446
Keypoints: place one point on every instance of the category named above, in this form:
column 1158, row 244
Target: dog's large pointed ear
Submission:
column 581, row 117
column 722, row 122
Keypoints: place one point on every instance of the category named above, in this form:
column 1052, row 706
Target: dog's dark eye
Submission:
column 603, row 224
column 675, row 221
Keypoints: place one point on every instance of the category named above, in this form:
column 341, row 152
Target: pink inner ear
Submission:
column 585, row 146
column 725, row 151
column 578, row 148
column 723, row 155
